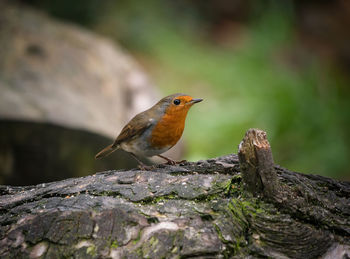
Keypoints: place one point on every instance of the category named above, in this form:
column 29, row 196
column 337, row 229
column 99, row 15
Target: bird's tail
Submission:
column 106, row 151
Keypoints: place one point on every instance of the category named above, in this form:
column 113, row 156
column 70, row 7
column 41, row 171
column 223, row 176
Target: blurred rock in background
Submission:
column 65, row 94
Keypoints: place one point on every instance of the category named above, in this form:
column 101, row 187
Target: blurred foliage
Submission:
column 256, row 73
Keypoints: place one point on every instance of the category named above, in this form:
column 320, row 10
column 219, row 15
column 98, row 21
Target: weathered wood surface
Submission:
column 257, row 166
column 202, row 209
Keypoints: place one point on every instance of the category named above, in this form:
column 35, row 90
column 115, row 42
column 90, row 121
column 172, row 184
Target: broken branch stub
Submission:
column 257, row 166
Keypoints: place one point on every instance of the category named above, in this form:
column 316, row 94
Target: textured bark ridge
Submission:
column 206, row 209
column 257, row 164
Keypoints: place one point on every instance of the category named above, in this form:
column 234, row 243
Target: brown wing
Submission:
column 134, row 128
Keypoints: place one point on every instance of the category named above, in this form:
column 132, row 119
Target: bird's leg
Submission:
column 142, row 166
column 170, row 161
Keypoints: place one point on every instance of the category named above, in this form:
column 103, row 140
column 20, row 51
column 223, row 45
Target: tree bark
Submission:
column 206, row 209
column 257, row 164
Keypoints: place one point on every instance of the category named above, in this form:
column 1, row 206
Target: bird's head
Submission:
column 178, row 104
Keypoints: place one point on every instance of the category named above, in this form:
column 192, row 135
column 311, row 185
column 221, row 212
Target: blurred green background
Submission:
column 281, row 66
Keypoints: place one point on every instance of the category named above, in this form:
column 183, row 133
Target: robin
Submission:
column 154, row 131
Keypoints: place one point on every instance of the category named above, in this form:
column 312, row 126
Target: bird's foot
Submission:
column 146, row 167
column 181, row 162
column 172, row 162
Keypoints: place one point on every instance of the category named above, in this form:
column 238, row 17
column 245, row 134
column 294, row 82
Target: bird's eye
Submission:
column 177, row 101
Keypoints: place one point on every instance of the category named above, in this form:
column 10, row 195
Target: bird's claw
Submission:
column 172, row 162
column 146, row 167
column 182, row 161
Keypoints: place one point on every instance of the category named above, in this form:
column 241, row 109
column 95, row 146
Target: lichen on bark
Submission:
column 191, row 210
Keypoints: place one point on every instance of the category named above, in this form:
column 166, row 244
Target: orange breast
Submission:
column 168, row 130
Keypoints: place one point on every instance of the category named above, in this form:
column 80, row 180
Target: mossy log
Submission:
column 205, row 209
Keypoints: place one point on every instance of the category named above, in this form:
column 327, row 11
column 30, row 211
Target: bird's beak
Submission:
column 195, row 101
